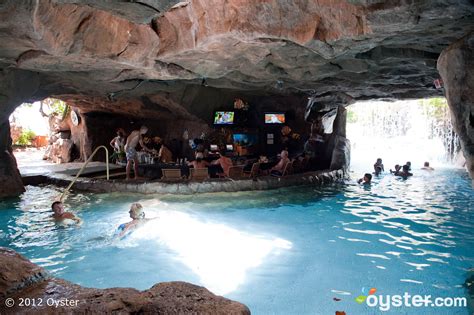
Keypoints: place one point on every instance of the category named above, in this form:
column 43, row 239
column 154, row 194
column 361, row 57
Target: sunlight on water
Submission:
column 218, row 254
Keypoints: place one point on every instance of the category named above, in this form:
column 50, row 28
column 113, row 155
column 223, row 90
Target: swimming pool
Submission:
column 288, row 251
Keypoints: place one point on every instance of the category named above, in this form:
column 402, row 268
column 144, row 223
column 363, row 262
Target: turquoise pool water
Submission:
column 288, row 251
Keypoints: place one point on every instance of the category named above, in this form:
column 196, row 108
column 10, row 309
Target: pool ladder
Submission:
column 84, row 166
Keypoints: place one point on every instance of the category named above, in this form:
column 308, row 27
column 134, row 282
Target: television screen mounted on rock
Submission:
column 223, row 118
column 274, row 118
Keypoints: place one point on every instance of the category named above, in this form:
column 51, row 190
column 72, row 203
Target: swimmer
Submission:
column 60, row 215
column 366, row 179
column 378, row 165
column 405, row 172
column 378, row 170
column 397, row 169
column 427, row 167
column 138, row 219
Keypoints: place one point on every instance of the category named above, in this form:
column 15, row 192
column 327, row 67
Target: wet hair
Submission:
column 137, row 210
column 427, row 164
column 379, row 160
column 369, row 176
column 397, row 166
column 406, row 168
column 54, row 204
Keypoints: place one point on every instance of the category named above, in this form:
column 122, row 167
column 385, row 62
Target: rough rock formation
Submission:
column 175, row 62
column 19, row 278
column 456, row 66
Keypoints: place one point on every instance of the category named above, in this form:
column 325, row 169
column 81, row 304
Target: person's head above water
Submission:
column 367, row 177
column 397, row 167
column 426, row 164
column 379, row 161
column 406, row 168
column 143, row 130
column 136, row 211
column 57, row 207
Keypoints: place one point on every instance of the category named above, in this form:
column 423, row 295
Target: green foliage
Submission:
column 26, row 137
column 55, row 106
column 351, row 116
column 436, row 108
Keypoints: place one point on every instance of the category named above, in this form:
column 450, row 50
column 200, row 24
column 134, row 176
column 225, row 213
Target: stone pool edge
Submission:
column 23, row 282
column 316, row 178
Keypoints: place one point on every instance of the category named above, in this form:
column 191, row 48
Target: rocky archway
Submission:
column 175, row 62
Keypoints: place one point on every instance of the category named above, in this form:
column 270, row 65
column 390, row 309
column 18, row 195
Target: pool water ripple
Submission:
column 288, row 251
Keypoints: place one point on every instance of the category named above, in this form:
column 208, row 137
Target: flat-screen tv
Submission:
column 274, row 118
column 244, row 139
column 224, row 117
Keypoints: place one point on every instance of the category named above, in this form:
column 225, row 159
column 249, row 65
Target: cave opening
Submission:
column 399, row 131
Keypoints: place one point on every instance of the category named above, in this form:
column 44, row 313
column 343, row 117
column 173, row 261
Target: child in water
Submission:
column 366, row 179
column 378, row 166
column 397, row 169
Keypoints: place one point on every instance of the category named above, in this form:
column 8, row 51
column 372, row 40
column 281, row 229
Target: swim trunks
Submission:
column 131, row 154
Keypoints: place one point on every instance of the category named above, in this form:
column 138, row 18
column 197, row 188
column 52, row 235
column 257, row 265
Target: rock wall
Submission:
column 19, row 278
column 14, row 87
column 177, row 62
column 456, row 66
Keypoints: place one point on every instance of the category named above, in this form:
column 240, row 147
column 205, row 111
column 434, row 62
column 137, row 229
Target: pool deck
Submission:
column 35, row 171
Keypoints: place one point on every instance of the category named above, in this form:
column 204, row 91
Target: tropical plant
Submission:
column 55, row 106
column 26, row 137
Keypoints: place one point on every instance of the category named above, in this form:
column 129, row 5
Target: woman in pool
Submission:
column 138, row 219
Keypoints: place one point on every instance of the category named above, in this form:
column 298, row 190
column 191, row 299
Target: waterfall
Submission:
column 397, row 132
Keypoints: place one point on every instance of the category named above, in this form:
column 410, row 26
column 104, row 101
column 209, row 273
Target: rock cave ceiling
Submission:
column 150, row 57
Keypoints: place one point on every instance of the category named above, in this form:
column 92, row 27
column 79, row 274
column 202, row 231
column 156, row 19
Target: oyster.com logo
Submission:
column 366, row 291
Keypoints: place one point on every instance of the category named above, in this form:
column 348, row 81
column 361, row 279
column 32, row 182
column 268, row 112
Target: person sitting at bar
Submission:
column 164, row 154
column 279, row 168
column 224, row 162
column 199, row 162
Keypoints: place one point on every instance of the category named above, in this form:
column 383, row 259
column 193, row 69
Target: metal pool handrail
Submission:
column 84, row 166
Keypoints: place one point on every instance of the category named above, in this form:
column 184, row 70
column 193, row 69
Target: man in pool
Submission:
column 135, row 138
column 60, row 215
column 138, row 218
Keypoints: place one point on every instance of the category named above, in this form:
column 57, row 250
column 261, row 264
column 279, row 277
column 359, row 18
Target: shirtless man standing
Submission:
column 130, row 149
